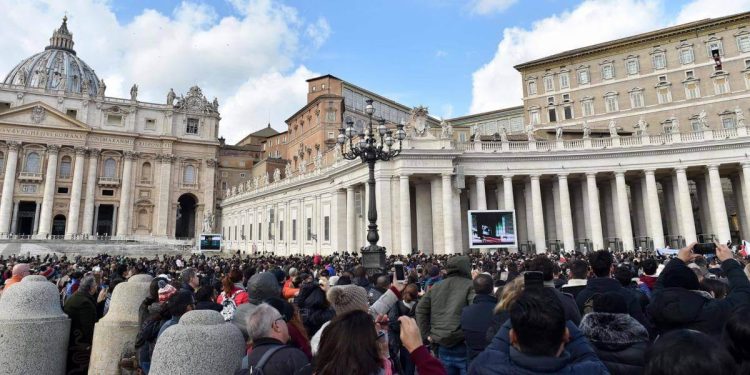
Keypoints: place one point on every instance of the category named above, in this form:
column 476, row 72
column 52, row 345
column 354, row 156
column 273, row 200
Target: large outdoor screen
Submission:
column 492, row 229
column 210, row 242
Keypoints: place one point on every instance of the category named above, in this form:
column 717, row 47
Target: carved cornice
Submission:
column 130, row 155
column 80, row 151
column 53, row 149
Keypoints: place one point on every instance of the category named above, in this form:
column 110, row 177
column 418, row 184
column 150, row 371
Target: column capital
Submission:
column 591, row 174
column 619, row 173
column 212, row 163
column 13, row 145
column 404, row 176
column 80, row 151
column 507, row 176
column 165, row 158
column 53, row 149
column 350, row 188
column 535, row 176
column 94, row 152
column 562, row 176
column 649, row 171
column 712, row 167
column 447, row 174
column 680, row 169
column 130, row 155
column 480, row 176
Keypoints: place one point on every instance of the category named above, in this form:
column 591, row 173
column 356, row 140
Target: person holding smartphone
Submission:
column 677, row 303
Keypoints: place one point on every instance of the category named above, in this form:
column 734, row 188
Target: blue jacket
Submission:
column 500, row 358
column 475, row 320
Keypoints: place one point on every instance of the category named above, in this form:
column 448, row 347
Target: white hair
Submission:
column 260, row 320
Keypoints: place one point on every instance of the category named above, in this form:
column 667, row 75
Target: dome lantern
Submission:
column 62, row 38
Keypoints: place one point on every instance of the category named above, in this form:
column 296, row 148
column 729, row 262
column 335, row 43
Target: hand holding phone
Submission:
column 400, row 272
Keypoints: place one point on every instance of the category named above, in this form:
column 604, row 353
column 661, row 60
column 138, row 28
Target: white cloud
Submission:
column 700, row 9
column 447, row 111
column 485, row 7
column 497, row 84
column 190, row 46
column 270, row 97
column 440, row 53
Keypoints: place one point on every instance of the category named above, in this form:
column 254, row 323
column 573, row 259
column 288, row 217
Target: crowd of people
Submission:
column 488, row 313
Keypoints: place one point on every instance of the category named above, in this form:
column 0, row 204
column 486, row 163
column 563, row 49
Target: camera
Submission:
column 704, row 248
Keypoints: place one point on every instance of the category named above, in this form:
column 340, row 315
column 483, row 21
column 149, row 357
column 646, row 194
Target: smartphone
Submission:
column 533, row 279
column 400, row 273
column 704, row 248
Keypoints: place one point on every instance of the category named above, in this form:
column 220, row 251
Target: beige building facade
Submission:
column 79, row 164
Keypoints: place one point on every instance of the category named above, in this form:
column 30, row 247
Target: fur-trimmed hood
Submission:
column 613, row 329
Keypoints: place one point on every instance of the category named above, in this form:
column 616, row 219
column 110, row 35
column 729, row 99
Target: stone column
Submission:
column 508, row 193
column 351, row 217
column 14, row 222
column 655, row 229
column 718, row 208
column 626, row 228
column 538, row 214
column 423, row 204
column 115, row 333
column 34, row 329
column 746, row 192
column 114, row 220
column 36, row 218
column 595, row 217
column 75, row 194
column 9, row 183
column 96, row 218
column 45, row 222
column 405, row 214
column 165, row 187
column 437, row 201
column 481, row 193
column 565, row 213
column 208, row 186
column 383, row 205
column 88, row 204
column 449, row 242
column 126, row 184
column 685, row 206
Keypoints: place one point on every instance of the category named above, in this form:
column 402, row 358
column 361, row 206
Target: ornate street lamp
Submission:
column 369, row 149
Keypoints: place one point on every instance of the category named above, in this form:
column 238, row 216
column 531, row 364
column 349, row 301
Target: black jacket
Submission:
column 208, row 305
column 599, row 285
column 475, row 320
column 680, row 308
column 286, row 361
column 619, row 341
column 313, row 307
column 569, row 305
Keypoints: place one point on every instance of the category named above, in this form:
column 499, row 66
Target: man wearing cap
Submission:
column 677, row 302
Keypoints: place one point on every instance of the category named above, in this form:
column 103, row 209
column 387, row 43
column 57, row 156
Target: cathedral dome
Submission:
column 56, row 68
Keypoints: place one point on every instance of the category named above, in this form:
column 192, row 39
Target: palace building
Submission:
column 77, row 163
column 639, row 142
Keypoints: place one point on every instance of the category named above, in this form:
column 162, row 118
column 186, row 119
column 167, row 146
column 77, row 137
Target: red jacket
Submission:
column 289, row 291
column 240, row 296
column 426, row 363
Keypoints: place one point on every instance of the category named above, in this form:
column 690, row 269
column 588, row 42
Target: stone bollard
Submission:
column 34, row 330
column 115, row 333
column 201, row 343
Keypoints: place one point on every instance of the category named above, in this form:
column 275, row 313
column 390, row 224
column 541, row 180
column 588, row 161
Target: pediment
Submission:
column 42, row 115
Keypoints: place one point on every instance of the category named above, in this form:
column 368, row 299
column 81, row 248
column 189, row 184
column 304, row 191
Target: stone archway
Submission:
column 185, row 220
column 58, row 225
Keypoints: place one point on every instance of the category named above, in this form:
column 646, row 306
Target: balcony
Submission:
column 109, row 181
column 189, row 186
column 30, row 177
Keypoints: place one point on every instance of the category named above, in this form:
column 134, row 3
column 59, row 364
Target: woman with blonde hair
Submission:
column 511, row 291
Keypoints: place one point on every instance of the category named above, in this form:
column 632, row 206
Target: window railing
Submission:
column 30, row 176
column 109, row 181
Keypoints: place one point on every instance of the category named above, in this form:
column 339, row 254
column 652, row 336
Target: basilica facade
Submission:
column 636, row 143
column 77, row 163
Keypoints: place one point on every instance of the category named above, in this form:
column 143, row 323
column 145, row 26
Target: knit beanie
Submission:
column 262, row 286
column 681, row 277
column 346, row 298
column 165, row 291
column 610, row 302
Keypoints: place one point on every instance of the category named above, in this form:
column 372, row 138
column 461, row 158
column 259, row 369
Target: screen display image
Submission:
column 492, row 229
column 210, row 242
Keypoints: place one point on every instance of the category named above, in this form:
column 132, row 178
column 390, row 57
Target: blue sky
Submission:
column 454, row 56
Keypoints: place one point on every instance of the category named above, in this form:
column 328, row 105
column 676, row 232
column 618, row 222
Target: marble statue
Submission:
column 337, row 152
column 446, row 130
column 102, row 88
column 208, row 222
column 740, row 116
column 170, row 97
column 266, row 178
column 276, row 175
column 530, row 133
column 288, row 170
column 85, row 87
column 503, row 134
column 612, row 128
column 703, row 119
column 301, row 167
column 674, row 125
column 586, row 129
column 319, row 160
column 640, row 127
column 558, row 132
column 216, row 103
column 134, row 92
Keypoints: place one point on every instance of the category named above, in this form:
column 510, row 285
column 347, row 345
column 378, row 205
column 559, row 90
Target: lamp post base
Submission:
column 373, row 259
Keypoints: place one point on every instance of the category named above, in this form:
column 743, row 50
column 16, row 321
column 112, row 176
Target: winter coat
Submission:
column 619, row 341
column 288, row 360
column 569, row 306
column 600, row 285
column 239, row 293
column 374, row 294
column 496, row 324
column 680, row 308
column 500, row 358
column 439, row 310
column 81, row 309
column 475, row 320
column 313, row 308
column 208, row 305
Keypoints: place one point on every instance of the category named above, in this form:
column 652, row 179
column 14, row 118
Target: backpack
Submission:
column 258, row 368
column 228, row 306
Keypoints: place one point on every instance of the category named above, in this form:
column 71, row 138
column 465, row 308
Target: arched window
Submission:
column 188, row 176
column 146, row 172
column 65, row 167
column 110, row 166
column 32, row 163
